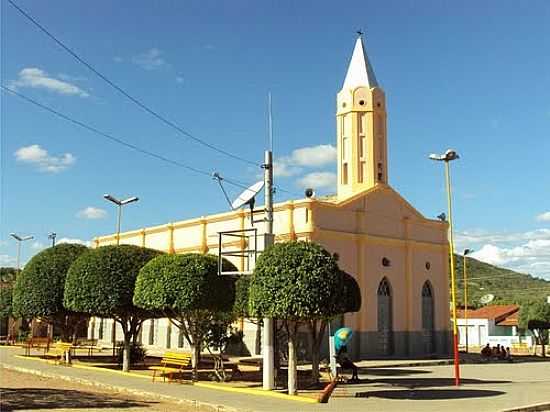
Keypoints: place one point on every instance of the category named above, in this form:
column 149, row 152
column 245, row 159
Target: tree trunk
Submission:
column 126, row 352
column 196, row 347
column 292, row 367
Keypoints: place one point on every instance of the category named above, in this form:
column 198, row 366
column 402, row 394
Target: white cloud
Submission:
column 282, row 168
column 318, row 180
column 526, row 252
column 305, row 157
column 314, row 156
column 544, row 217
column 39, row 79
column 466, row 238
column 77, row 241
column 92, row 213
column 37, row 245
column 39, row 157
column 7, row 260
column 150, row 59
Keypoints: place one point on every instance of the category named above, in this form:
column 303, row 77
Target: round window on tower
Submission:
column 361, row 102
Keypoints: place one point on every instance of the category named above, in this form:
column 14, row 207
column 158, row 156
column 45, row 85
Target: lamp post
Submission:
column 119, row 203
column 19, row 240
column 447, row 157
column 466, row 252
column 52, row 237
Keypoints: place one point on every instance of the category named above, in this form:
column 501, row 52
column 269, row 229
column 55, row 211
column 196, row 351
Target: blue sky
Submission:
column 474, row 76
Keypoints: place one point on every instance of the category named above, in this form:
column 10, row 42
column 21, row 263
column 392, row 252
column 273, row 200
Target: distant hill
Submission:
column 507, row 286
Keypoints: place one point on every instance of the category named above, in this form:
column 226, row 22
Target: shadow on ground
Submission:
column 390, row 371
column 429, row 394
column 38, row 398
column 430, row 382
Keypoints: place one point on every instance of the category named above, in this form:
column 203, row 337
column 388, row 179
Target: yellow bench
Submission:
column 58, row 351
column 171, row 363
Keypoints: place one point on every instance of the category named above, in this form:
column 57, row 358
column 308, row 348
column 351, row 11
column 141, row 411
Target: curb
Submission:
column 143, row 394
column 412, row 364
column 539, row 407
column 248, row 391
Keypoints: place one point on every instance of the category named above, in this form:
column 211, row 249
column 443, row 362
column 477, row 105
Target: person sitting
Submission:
column 496, row 351
column 502, row 354
column 486, row 352
column 508, row 356
column 345, row 362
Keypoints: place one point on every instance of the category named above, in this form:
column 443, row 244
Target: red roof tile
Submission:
column 497, row 312
column 511, row 320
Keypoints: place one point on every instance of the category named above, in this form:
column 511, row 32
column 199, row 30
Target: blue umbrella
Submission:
column 342, row 337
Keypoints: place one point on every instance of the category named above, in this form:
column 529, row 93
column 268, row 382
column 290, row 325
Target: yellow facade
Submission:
column 379, row 237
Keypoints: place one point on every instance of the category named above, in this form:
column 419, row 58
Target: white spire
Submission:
column 360, row 71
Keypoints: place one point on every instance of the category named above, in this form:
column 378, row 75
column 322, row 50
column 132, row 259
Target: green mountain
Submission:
column 506, row 285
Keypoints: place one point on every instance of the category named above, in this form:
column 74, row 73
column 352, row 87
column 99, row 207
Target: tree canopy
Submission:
column 184, row 283
column 188, row 289
column 102, row 281
column 535, row 316
column 7, row 279
column 295, row 281
column 350, row 298
column 38, row 291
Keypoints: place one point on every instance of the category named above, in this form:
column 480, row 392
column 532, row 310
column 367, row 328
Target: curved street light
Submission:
column 119, row 203
column 20, row 239
column 447, row 157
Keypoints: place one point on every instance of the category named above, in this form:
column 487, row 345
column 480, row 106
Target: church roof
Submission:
column 360, row 72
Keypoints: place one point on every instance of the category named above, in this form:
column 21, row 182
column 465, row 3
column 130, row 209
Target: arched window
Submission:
column 385, row 317
column 428, row 317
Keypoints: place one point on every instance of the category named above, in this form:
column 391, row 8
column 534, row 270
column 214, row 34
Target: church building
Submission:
column 398, row 257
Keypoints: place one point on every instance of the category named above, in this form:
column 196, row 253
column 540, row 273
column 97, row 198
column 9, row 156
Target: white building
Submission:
column 494, row 324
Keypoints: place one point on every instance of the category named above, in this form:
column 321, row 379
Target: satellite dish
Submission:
column 488, row 298
column 247, row 197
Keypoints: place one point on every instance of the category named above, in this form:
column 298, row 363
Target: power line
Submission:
column 498, row 277
column 127, row 95
column 118, row 140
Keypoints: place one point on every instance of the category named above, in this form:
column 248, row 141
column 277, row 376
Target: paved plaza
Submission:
column 487, row 387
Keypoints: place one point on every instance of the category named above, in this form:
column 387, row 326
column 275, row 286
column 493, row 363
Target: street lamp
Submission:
column 119, row 203
column 19, row 240
column 52, row 237
column 466, row 252
column 447, row 157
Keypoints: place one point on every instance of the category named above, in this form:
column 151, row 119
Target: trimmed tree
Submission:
column 7, row 279
column 296, row 282
column 348, row 300
column 535, row 316
column 188, row 290
column 101, row 283
column 38, row 291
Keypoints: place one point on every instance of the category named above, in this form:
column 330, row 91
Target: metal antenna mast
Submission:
column 268, row 351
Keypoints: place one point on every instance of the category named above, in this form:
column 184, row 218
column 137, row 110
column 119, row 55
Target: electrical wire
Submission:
column 118, row 140
column 152, row 112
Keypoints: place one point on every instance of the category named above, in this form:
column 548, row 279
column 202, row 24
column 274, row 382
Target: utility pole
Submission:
column 52, row 237
column 268, row 335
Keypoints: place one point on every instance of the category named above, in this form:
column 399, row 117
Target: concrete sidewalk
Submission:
column 493, row 387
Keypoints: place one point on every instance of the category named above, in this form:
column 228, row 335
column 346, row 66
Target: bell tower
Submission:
column 361, row 128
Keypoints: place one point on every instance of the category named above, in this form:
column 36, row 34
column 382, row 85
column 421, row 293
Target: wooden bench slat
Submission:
column 181, row 359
